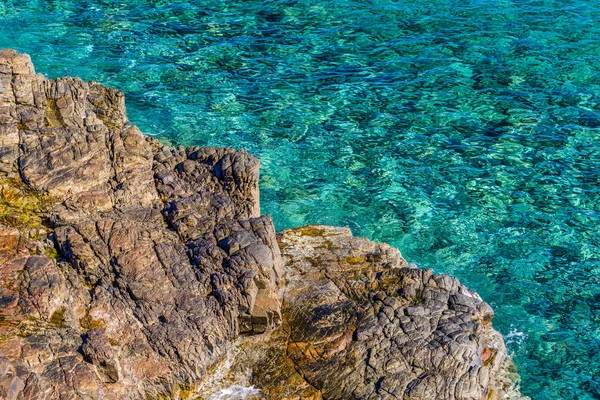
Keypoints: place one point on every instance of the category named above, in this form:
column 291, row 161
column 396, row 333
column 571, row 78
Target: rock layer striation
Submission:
column 133, row 270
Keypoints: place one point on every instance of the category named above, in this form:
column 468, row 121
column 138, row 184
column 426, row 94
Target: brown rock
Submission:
column 132, row 270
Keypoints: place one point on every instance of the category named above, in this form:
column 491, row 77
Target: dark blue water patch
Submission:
column 464, row 133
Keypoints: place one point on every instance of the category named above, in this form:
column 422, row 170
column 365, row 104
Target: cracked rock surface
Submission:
column 133, row 270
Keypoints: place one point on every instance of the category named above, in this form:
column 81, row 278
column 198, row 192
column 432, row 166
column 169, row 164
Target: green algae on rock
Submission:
column 155, row 276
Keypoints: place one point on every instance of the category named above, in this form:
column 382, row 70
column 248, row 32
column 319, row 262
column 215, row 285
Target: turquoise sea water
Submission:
column 466, row 133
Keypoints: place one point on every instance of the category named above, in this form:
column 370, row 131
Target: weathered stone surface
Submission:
column 97, row 349
column 132, row 270
column 365, row 324
column 358, row 322
column 156, row 259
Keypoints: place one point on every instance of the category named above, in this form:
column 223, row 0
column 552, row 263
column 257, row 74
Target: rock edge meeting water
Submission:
column 464, row 133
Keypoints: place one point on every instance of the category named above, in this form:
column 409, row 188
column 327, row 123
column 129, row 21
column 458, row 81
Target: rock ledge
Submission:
column 132, row 270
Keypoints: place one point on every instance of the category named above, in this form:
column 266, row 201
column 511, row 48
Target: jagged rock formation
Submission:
column 132, row 270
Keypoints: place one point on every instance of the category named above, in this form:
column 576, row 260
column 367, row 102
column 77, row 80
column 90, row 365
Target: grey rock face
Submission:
column 382, row 328
column 132, row 270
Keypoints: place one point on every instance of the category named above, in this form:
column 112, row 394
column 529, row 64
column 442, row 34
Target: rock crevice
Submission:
column 134, row 270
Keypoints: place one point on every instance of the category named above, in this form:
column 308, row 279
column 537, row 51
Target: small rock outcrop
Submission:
column 133, row 270
column 359, row 322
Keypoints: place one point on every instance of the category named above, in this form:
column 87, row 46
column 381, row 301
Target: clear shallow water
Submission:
column 464, row 133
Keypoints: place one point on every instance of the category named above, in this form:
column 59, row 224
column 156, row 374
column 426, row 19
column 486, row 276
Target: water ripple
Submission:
column 465, row 133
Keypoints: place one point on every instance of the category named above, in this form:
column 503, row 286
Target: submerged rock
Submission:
column 133, row 270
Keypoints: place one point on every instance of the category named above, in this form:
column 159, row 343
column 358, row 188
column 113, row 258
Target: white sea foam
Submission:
column 515, row 336
column 235, row 392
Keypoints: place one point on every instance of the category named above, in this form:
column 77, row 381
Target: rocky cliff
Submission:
column 132, row 270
